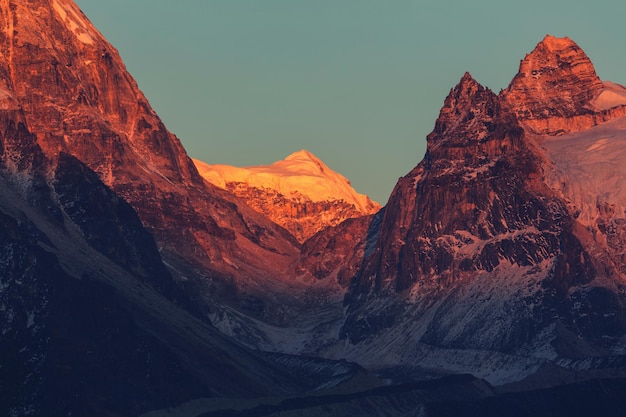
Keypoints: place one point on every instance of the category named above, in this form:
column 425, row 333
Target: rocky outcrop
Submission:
column 557, row 90
column 337, row 252
column 300, row 193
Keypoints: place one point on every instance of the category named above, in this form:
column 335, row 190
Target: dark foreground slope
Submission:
column 90, row 323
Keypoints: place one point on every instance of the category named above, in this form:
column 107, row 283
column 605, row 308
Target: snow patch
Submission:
column 611, row 95
column 75, row 21
column 588, row 169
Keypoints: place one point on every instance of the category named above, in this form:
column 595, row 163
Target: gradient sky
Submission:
column 357, row 82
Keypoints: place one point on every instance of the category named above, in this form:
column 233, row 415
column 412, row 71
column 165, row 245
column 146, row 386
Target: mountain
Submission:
column 557, row 90
column 92, row 321
column 300, row 193
column 131, row 286
column 76, row 97
column 504, row 246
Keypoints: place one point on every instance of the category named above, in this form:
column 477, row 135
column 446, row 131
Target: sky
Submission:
column 359, row 83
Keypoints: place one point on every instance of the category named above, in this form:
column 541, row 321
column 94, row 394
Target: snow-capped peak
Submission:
column 299, row 173
column 299, row 192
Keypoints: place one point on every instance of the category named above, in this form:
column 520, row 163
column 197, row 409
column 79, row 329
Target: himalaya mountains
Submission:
column 131, row 286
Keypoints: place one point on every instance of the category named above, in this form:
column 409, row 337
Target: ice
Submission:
column 611, row 95
column 588, row 169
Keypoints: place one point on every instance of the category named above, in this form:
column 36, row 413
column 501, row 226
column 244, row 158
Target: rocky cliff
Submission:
column 300, row 193
column 76, row 97
column 557, row 90
column 490, row 244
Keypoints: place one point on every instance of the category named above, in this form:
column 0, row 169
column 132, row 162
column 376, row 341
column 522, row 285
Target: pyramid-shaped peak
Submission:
column 467, row 79
column 557, row 58
column 468, row 103
column 556, row 79
column 467, row 87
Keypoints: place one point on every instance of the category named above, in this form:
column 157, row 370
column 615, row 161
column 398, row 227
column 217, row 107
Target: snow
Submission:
column 75, row 21
column 300, row 173
column 611, row 95
column 588, row 168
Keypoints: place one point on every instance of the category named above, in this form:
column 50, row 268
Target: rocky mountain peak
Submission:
column 467, row 114
column 556, row 89
column 497, row 219
column 557, row 67
column 62, row 82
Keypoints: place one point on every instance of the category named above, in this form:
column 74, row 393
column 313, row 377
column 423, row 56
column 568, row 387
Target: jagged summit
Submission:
column 502, row 217
column 468, row 107
column 557, row 89
column 299, row 192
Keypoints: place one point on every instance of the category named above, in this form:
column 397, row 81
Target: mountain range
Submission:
column 135, row 281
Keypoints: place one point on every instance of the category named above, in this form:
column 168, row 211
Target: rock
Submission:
column 557, row 90
column 76, row 97
column 479, row 247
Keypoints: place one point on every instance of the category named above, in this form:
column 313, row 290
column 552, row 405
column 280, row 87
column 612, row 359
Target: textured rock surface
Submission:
column 557, row 90
column 299, row 193
column 76, row 97
column 480, row 246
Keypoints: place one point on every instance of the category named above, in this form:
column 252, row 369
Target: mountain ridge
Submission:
column 129, row 284
column 298, row 192
column 481, row 226
column 75, row 96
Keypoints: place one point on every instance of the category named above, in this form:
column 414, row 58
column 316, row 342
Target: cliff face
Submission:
column 489, row 243
column 557, row 90
column 300, row 193
column 75, row 96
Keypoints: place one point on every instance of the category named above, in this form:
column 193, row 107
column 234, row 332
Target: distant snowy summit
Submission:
column 299, row 192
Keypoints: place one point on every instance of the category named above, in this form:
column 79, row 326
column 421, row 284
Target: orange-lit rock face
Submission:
column 299, row 193
column 557, row 90
column 71, row 89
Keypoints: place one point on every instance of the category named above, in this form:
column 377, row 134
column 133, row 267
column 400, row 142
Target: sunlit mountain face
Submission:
column 75, row 96
column 135, row 281
column 300, row 193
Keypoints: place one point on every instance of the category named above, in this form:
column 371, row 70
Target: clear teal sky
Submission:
column 357, row 82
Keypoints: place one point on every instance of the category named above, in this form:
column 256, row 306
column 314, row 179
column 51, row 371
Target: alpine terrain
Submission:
column 299, row 193
column 504, row 247
column 135, row 282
